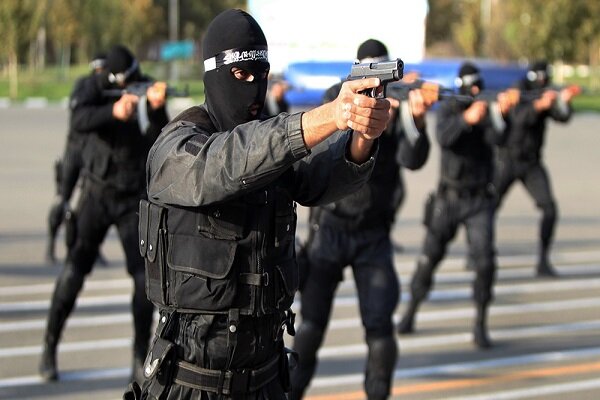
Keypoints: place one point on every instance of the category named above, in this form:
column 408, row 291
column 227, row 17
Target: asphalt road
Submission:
column 546, row 331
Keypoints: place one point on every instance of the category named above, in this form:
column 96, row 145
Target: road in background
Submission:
column 547, row 331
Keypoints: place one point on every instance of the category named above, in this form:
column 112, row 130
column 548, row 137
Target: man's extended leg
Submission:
column 378, row 296
column 441, row 223
column 316, row 298
column 141, row 308
column 537, row 183
column 480, row 234
column 91, row 230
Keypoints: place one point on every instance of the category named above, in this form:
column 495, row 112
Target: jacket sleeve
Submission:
column 88, row 112
column 326, row 175
column 450, row 124
column 189, row 167
column 158, row 119
column 561, row 111
column 413, row 146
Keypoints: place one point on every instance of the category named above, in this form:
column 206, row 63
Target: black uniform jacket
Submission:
column 116, row 151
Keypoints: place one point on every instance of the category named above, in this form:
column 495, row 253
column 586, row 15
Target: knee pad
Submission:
column 83, row 256
column 549, row 210
column 307, row 341
column 422, row 279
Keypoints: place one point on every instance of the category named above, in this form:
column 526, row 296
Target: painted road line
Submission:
column 459, row 369
column 455, row 384
column 414, row 342
column 445, row 277
column 335, row 352
column 48, row 288
column 538, row 391
column 469, row 312
column 336, row 323
column 501, row 289
column 354, row 379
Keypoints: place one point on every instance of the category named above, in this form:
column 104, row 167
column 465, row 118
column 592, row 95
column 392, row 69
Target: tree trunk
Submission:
column 13, row 74
column 594, row 58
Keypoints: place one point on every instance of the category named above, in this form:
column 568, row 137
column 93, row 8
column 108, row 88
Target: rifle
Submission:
column 139, row 89
column 387, row 71
column 534, row 94
column 431, row 91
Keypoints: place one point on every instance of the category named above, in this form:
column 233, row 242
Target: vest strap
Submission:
column 254, row 279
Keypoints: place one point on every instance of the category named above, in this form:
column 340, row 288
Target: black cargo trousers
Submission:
column 99, row 208
column 336, row 244
column 534, row 176
column 445, row 211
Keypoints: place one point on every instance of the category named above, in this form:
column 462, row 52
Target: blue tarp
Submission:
column 309, row 79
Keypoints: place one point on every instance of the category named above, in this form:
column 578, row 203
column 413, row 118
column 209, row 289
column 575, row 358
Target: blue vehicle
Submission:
column 309, row 79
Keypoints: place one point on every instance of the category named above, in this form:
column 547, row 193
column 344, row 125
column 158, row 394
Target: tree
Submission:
column 19, row 22
column 64, row 27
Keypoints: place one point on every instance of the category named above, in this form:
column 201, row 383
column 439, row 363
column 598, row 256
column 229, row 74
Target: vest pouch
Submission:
column 199, row 271
column 152, row 245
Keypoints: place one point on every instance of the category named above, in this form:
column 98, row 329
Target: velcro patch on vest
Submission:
column 194, row 145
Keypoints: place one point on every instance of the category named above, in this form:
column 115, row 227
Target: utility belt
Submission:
column 465, row 192
column 226, row 382
column 162, row 367
column 101, row 188
column 349, row 223
column 518, row 154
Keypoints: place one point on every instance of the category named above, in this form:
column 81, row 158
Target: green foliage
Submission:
column 47, row 84
column 568, row 30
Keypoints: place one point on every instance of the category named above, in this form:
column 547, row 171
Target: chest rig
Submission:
column 238, row 254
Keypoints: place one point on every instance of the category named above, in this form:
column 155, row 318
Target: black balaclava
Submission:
column 121, row 66
column 98, row 62
column 234, row 39
column 468, row 76
column 538, row 75
column 372, row 50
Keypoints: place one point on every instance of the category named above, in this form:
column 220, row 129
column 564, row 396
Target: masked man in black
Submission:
column 113, row 184
column 356, row 231
column 467, row 133
column 218, row 232
column 520, row 153
column 68, row 169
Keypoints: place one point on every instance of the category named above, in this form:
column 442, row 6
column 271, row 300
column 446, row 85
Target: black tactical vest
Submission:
column 233, row 255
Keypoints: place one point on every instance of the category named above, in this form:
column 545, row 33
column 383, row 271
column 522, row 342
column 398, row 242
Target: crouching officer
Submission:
column 113, row 184
column 218, row 230
column 467, row 134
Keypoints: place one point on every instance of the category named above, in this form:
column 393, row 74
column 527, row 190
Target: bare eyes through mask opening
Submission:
column 246, row 76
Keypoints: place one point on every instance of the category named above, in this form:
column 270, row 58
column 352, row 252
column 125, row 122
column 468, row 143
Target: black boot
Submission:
column 544, row 267
column 480, row 332
column 67, row 287
column 381, row 362
column 47, row 367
